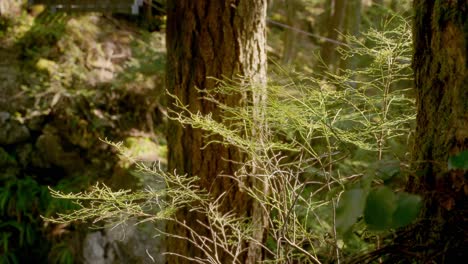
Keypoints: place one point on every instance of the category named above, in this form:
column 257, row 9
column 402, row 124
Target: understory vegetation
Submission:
column 69, row 81
column 330, row 151
column 329, row 148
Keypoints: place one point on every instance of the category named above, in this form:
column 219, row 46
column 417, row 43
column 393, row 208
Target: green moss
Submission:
column 144, row 148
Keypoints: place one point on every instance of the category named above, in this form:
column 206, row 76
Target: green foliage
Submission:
column 408, row 207
column 61, row 60
column 147, row 60
column 380, row 206
column 350, row 208
column 21, row 203
column 308, row 142
column 70, row 61
column 101, row 203
column 62, row 254
column 385, row 170
column 459, row 161
column 8, row 258
column 320, row 127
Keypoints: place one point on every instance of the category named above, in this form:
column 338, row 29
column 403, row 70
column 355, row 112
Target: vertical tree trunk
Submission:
column 221, row 39
column 335, row 25
column 352, row 27
column 291, row 36
column 441, row 81
column 148, row 11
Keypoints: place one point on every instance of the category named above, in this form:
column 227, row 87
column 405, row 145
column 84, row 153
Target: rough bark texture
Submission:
column 221, row 39
column 441, row 82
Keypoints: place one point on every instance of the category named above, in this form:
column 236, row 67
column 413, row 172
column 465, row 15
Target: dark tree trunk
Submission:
column 334, row 25
column 291, row 36
column 441, row 81
column 221, row 39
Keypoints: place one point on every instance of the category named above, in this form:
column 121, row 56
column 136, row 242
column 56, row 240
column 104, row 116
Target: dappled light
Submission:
column 260, row 131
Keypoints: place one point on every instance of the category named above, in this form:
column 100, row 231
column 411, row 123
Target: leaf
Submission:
column 380, row 206
column 5, row 196
column 408, row 207
column 459, row 161
column 350, row 207
column 387, row 169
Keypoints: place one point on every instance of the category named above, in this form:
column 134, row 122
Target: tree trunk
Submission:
column 441, row 81
column 290, row 35
column 224, row 40
column 352, row 27
column 335, row 25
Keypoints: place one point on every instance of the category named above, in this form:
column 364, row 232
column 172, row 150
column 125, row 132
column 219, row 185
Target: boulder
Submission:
column 50, row 148
column 124, row 243
column 11, row 130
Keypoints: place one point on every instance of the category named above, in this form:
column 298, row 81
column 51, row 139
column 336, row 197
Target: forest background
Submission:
column 340, row 115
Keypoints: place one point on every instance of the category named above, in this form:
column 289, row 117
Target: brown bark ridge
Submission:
column 441, row 81
column 224, row 40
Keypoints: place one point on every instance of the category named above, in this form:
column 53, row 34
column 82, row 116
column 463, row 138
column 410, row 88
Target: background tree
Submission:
column 291, row 36
column 335, row 24
column 223, row 40
column 439, row 63
column 352, row 23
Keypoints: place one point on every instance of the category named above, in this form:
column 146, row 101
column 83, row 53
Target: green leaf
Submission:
column 387, row 169
column 459, row 161
column 5, row 196
column 408, row 206
column 4, row 241
column 350, row 207
column 380, row 206
column 30, row 234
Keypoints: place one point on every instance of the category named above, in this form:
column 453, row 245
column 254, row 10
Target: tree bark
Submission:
column 224, row 40
column 352, row 27
column 335, row 25
column 290, row 35
column 441, row 81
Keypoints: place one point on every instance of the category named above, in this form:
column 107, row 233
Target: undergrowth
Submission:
column 331, row 155
column 82, row 78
